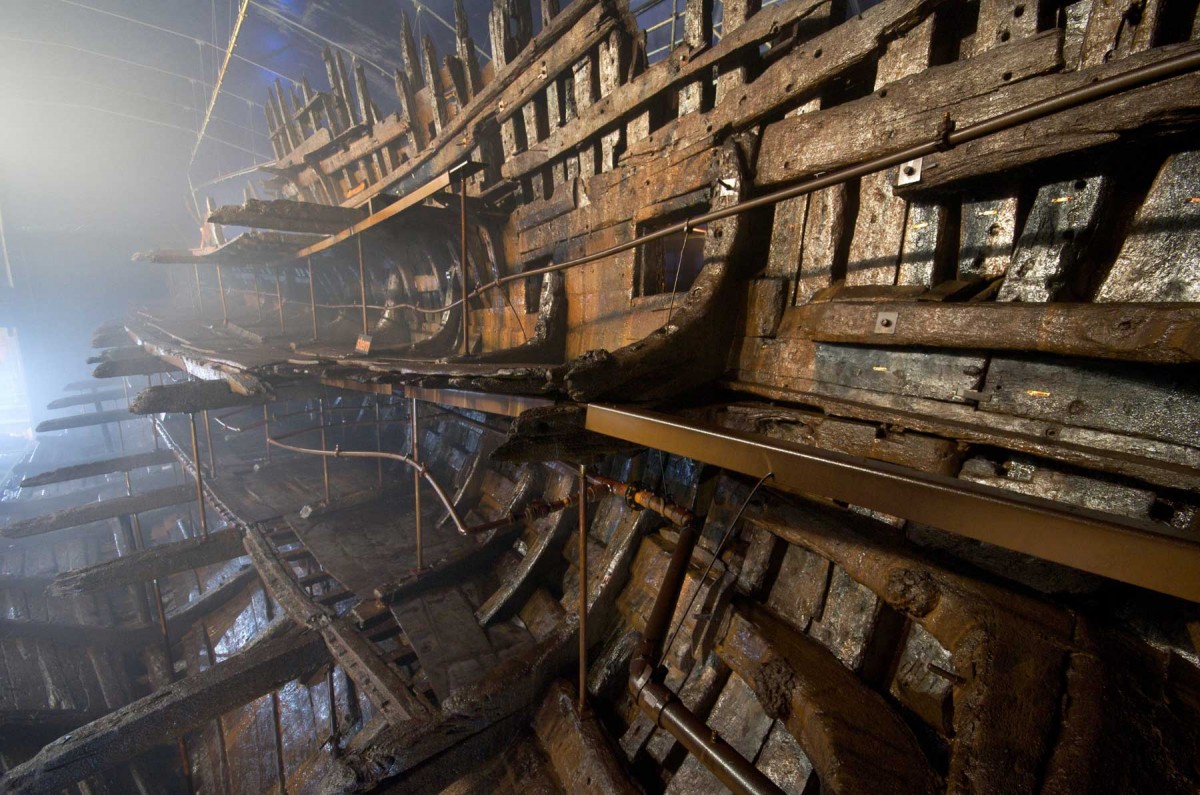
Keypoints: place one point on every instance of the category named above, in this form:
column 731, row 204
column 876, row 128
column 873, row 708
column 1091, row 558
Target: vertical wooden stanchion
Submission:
column 212, row 456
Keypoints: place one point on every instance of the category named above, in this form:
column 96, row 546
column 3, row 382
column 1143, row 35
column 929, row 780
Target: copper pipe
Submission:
column 199, row 478
column 221, row 289
column 413, row 429
column 583, row 588
column 424, row 473
column 312, row 299
column 536, row 511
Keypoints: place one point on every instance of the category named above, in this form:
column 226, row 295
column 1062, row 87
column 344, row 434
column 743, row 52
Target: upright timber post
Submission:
column 466, row 308
column 583, row 587
column 312, row 298
column 412, row 421
column 199, row 478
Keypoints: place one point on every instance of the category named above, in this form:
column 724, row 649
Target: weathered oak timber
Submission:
column 95, row 512
column 86, row 399
column 130, row 639
column 856, row 742
column 700, row 330
column 155, row 563
column 1158, row 109
column 910, row 111
column 148, row 366
column 193, row 396
column 362, row 661
column 169, row 712
column 1162, row 333
column 85, row 420
column 125, row 463
column 658, row 78
column 289, row 216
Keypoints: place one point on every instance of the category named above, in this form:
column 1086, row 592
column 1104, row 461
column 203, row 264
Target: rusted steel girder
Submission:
column 1101, row 543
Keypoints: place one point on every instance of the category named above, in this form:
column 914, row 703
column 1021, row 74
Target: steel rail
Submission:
column 1100, row 89
column 1100, row 543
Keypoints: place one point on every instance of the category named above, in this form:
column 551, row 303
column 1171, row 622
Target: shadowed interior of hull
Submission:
column 806, row 405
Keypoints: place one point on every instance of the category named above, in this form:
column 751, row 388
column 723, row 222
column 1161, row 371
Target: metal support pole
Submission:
column 199, row 293
column 257, row 298
column 212, row 459
column 267, row 431
column 324, row 446
column 462, row 265
column 412, row 421
column 362, row 282
column 199, row 478
column 279, row 303
column 378, row 444
column 583, row 587
column 221, row 290
column 312, row 299
column 153, row 424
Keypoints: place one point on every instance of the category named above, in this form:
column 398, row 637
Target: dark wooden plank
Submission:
column 154, row 563
column 96, row 512
column 125, row 463
column 170, row 712
column 1163, row 333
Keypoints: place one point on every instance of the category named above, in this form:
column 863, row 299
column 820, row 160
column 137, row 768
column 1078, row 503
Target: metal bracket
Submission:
column 885, row 322
column 910, row 172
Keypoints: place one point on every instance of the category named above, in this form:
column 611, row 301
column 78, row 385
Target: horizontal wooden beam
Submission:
column 154, row 563
column 170, row 712
column 86, row 399
column 1160, row 333
column 125, row 463
column 87, row 420
column 99, row 511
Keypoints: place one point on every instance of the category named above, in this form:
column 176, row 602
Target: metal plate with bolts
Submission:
column 885, row 322
column 910, row 172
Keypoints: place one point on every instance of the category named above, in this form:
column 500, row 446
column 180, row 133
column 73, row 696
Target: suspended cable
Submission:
column 298, row 26
column 169, row 73
column 134, row 117
column 170, row 32
column 237, row 26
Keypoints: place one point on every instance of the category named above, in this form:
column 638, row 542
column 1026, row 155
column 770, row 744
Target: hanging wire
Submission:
column 176, row 33
column 716, row 554
column 687, row 227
